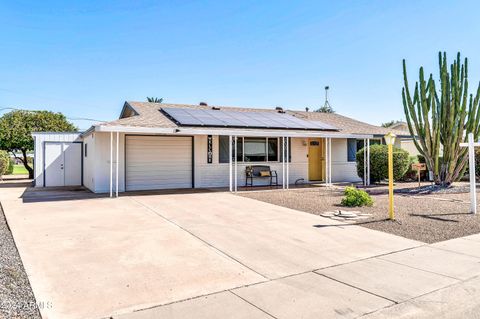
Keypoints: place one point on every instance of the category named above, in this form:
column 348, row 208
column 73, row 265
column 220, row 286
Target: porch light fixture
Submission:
column 390, row 140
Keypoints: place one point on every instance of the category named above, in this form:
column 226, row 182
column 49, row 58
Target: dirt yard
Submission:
column 425, row 217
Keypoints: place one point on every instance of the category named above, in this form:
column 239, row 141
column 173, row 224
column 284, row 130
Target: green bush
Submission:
column 379, row 163
column 10, row 166
column 4, row 162
column 356, row 197
column 411, row 174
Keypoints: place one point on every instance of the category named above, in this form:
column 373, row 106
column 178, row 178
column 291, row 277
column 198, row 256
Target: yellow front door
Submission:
column 316, row 159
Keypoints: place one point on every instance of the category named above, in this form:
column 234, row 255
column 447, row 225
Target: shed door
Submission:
column 158, row 162
column 63, row 164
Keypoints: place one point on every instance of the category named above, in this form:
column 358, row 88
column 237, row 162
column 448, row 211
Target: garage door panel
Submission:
column 158, row 162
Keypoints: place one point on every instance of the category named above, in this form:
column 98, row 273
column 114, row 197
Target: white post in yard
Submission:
column 283, row 161
column 116, row 168
column 230, row 161
column 471, row 169
column 111, row 164
column 235, row 164
column 368, row 161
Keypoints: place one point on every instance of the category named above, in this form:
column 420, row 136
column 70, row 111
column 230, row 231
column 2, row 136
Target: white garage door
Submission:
column 158, row 162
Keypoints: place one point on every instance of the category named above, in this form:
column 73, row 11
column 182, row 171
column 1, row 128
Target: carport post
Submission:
column 116, row 169
column 230, row 160
column 283, row 162
column 236, row 138
column 111, row 164
column 288, row 170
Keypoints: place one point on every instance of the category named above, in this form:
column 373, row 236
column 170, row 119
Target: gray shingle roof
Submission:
column 148, row 115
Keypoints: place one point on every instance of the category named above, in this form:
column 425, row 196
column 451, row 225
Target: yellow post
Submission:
column 390, row 181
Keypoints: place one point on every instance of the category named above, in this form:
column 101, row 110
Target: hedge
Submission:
column 4, row 162
column 379, row 163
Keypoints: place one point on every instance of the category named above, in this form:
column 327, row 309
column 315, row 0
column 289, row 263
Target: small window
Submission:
column 352, row 149
column 272, row 149
column 85, row 147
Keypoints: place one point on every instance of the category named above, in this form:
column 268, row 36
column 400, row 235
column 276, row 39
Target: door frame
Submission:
column 62, row 142
column 323, row 145
column 156, row 135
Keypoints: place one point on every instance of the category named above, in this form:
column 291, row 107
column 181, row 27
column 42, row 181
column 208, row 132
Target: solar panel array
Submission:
column 241, row 119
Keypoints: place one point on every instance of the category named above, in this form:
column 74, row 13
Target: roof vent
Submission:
column 203, row 104
column 279, row 109
column 216, row 108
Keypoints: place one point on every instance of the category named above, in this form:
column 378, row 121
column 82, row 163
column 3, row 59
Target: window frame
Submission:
column 241, row 143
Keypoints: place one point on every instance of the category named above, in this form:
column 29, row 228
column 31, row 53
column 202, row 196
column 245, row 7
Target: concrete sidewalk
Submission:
column 216, row 255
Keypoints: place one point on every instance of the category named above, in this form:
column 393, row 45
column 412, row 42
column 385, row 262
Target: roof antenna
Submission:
column 326, row 105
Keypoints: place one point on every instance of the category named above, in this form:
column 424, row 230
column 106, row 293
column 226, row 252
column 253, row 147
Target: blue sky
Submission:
column 85, row 58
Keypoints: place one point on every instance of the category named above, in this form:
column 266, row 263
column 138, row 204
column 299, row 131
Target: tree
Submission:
column 325, row 109
column 16, row 129
column 443, row 117
column 155, row 99
column 390, row 123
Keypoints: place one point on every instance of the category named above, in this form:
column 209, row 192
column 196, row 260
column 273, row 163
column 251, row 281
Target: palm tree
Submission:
column 155, row 99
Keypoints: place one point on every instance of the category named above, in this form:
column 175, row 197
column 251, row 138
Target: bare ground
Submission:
column 425, row 217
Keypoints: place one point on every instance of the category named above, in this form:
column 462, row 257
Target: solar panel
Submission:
column 227, row 118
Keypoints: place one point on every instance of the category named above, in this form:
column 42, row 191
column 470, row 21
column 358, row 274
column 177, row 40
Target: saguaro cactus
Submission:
column 442, row 119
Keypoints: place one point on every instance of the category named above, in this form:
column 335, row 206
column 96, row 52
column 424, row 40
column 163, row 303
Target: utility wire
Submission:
column 69, row 118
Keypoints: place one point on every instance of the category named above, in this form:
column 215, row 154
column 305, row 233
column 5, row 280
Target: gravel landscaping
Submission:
column 428, row 217
column 16, row 296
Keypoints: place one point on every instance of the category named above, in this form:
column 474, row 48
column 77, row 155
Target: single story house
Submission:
column 168, row 146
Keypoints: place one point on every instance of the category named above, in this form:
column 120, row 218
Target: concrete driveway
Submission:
column 206, row 255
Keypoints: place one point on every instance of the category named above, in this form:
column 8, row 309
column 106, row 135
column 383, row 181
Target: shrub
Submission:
column 10, row 166
column 379, row 163
column 4, row 162
column 356, row 197
column 411, row 174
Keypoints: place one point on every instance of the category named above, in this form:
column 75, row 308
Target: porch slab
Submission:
column 311, row 296
column 387, row 279
column 438, row 261
column 217, row 306
column 461, row 246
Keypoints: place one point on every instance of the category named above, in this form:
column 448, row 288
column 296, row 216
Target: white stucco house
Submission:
column 168, row 146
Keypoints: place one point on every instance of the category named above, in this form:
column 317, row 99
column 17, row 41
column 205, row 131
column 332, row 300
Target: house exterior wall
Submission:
column 342, row 169
column 39, row 143
column 99, row 167
column 215, row 174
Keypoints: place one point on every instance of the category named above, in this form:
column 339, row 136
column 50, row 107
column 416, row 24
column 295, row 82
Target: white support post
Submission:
column 283, row 162
column 368, row 161
column 329, row 161
column 111, row 164
column 364, row 162
column 116, row 168
column 327, row 156
column 230, row 161
column 471, row 168
column 288, row 164
column 236, row 164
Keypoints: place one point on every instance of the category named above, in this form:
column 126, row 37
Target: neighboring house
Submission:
column 162, row 146
column 405, row 143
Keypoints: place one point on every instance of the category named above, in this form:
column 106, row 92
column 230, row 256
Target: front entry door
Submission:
column 316, row 159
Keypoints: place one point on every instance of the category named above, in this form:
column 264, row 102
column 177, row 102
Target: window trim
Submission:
column 242, row 138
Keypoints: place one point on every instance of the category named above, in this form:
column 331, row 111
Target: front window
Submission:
column 352, row 149
column 251, row 149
